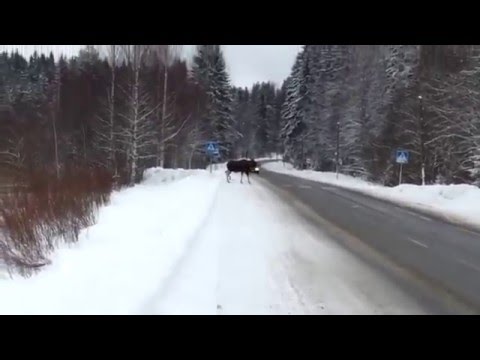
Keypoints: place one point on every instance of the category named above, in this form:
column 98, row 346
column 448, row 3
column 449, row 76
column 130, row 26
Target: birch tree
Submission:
column 137, row 134
column 107, row 128
column 164, row 56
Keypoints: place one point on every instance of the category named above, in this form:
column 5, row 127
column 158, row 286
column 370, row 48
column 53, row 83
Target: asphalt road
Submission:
column 436, row 261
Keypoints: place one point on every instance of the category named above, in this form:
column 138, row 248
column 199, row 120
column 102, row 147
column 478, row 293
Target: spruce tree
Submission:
column 209, row 71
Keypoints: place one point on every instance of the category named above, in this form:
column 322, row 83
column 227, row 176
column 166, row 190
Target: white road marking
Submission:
column 469, row 231
column 287, row 185
column 327, row 188
column 417, row 242
column 470, row 265
column 410, row 212
column 424, row 217
column 354, row 206
column 304, row 186
column 417, row 215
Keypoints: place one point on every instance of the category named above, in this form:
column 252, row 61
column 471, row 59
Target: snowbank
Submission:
column 217, row 167
column 158, row 175
column 120, row 262
column 272, row 156
column 257, row 256
column 460, row 203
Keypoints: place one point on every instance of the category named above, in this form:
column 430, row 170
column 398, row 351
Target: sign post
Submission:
column 402, row 157
column 212, row 150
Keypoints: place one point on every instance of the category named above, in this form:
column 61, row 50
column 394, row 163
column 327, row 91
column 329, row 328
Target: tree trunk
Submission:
column 423, row 173
column 134, row 154
column 84, row 144
column 57, row 165
column 164, row 112
column 190, row 158
column 56, row 110
column 112, row 162
column 175, row 157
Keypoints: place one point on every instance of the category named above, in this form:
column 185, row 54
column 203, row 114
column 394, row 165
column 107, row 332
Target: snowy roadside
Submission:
column 3, row 270
column 233, row 266
column 457, row 203
column 119, row 262
column 256, row 255
column 270, row 157
column 158, row 175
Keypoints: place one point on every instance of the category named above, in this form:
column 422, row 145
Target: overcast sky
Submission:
column 251, row 63
column 246, row 64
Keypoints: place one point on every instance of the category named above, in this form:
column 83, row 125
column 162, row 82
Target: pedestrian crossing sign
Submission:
column 212, row 148
column 402, row 156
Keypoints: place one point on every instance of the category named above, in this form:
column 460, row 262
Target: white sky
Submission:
column 246, row 64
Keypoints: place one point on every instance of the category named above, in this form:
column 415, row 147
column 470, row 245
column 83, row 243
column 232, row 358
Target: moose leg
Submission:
column 241, row 178
column 248, row 177
column 228, row 175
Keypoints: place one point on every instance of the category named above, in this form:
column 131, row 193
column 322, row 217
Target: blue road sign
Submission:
column 212, row 148
column 402, row 156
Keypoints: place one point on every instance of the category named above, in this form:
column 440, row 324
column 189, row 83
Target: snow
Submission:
column 255, row 255
column 195, row 244
column 232, row 268
column 120, row 262
column 271, row 156
column 460, row 203
column 158, row 175
column 3, row 270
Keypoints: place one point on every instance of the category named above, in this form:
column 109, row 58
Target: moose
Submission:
column 242, row 166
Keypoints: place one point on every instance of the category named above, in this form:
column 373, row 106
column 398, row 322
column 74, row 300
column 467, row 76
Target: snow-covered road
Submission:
column 236, row 263
column 255, row 255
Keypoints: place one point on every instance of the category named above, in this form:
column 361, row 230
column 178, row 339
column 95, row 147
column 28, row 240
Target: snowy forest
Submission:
column 343, row 107
column 362, row 102
column 74, row 128
column 130, row 107
column 123, row 107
